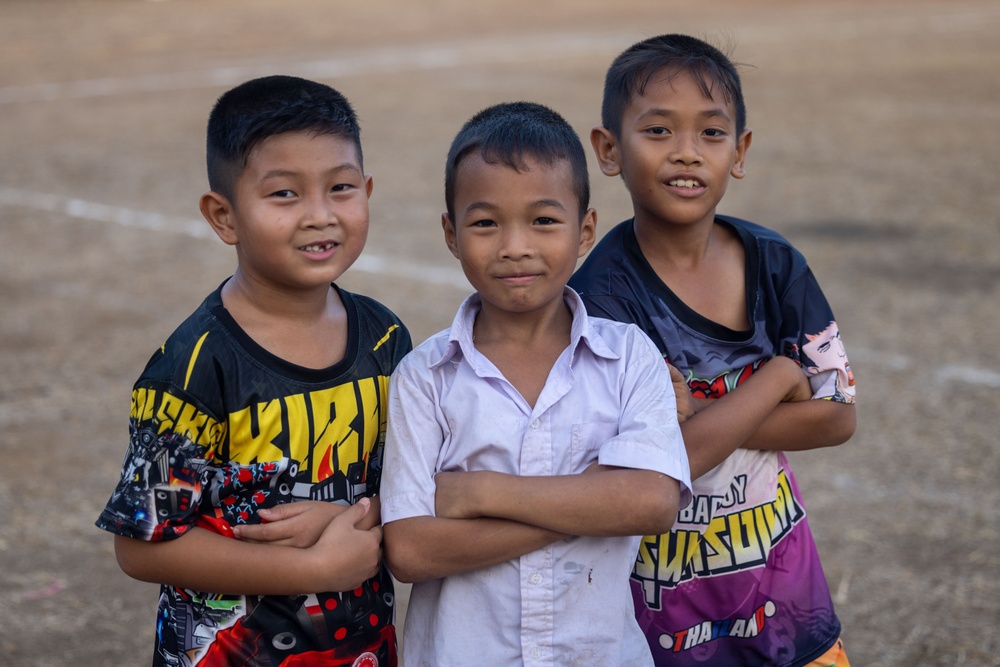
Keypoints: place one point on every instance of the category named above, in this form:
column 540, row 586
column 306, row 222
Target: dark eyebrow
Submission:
column 487, row 207
column 659, row 112
column 284, row 173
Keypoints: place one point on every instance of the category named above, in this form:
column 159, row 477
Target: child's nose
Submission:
column 320, row 212
column 515, row 243
column 685, row 150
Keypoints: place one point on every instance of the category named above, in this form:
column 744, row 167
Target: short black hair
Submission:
column 253, row 111
column 511, row 132
column 633, row 69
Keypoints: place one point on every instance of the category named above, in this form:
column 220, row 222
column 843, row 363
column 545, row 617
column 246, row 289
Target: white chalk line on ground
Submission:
column 428, row 274
column 71, row 207
column 529, row 48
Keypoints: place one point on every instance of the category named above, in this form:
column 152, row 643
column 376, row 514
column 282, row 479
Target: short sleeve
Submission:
column 413, row 440
column 649, row 435
column 165, row 466
column 810, row 334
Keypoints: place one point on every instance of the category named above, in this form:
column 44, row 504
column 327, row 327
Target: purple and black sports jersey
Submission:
column 737, row 580
column 220, row 428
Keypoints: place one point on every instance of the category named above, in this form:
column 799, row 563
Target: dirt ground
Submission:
column 874, row 151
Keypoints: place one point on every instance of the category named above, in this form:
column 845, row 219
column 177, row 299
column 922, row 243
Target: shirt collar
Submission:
column 460, row 335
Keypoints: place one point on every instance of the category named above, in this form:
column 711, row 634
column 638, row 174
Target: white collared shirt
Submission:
column 608, row 398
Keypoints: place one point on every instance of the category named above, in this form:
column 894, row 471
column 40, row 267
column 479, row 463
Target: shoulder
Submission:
column 426, row 355
column 610, row 254
column 624, row 339
column 368, row 309
column 772, row 245
column 775, row 259
column 376, row 323
column 200, row 333
column 615, row 277
column 424, row 373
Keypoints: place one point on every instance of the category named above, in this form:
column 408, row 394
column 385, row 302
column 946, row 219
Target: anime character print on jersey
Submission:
column 738, row 575
column 826, row 350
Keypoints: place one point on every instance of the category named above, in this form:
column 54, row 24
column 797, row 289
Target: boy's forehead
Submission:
column 478, row 165
column 668, row 82
column 304, row 146
column 475, row 174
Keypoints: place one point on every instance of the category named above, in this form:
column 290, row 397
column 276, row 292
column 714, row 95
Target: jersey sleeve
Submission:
column 170, row 441
column 810, row 334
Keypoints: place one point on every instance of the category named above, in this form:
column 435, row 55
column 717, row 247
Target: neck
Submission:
column 495, row 327
column 243, row 294
column 684, row 245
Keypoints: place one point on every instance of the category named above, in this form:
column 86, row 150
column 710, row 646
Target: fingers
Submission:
column 354, row 514
column 262, row 532
column 283, row 511
column 675, row 374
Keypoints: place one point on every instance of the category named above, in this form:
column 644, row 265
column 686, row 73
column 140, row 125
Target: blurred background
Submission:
column 875, row 134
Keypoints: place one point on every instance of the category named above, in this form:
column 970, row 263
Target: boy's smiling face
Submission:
column 518, row 234
column 676, row 150
column 299, row 217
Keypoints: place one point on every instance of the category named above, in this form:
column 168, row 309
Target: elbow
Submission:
column 128, row 553
column 850, row 423
column 400, row 569
column 405, row 571
column 845, row 425
column 401, row 561
column 663, row 519
column 658, row 508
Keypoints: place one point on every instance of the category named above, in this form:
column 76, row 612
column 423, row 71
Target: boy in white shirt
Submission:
column 529, row 445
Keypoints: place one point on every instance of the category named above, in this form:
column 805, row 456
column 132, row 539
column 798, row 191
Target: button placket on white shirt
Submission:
column 537, row 594
column 537, row 575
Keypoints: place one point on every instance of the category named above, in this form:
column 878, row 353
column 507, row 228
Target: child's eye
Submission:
column 658, row 131
column 283, row 194
column 545, row 221
column 714, row 132
column 341, row 187
column 483, row 223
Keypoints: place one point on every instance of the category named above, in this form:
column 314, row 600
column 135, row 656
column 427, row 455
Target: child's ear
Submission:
column 588, row 232
column 219, row 213
column 742, row 146
column 449, row 234
column 369, row 185
column 606, row 149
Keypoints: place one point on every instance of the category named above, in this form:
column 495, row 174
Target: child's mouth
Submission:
column 318, row 247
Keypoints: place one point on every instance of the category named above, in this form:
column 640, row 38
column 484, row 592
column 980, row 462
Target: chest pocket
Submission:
column 586, row 441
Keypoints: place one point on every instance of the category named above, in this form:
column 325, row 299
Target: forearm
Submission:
column 425, row 547
column 717, row 429
column 805, row 425
column 201, row 560
column 605, row 502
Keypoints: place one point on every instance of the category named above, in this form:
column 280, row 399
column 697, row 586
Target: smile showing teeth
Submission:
column 318, row 247
column 679, row 183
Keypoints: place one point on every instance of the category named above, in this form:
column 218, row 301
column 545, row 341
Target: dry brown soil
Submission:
column 876, row 136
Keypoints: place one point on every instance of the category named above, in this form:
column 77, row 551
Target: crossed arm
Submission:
column 334, row 548
column 484, row 518
column 771, row 410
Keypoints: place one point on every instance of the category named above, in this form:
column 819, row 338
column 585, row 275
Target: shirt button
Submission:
column 535, row 424
column 535, row 578
column 536, row 652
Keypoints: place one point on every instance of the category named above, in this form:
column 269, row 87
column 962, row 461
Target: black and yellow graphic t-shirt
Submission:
column 219, row 429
